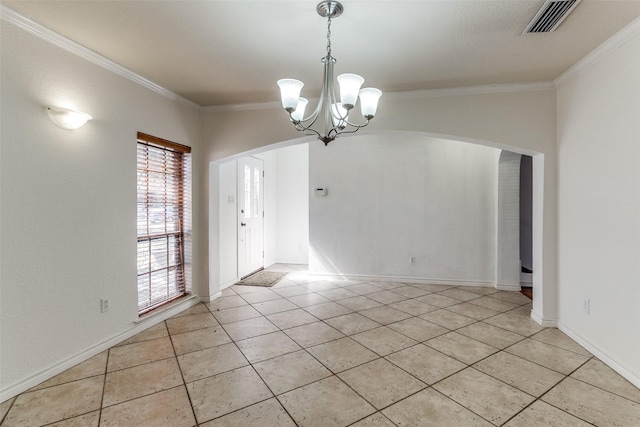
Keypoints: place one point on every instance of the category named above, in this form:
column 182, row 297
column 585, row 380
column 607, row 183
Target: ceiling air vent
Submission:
column 550, row 16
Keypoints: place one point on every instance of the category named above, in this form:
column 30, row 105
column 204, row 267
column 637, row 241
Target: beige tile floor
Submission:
column 315, row 352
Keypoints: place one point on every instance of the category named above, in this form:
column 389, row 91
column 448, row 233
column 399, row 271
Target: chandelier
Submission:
column 334, row 113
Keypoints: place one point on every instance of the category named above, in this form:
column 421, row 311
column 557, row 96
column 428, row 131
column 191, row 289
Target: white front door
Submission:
column 250, row 216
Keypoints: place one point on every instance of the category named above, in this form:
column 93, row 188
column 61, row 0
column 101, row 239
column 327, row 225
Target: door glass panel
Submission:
column 247, row 191
column 256, row 192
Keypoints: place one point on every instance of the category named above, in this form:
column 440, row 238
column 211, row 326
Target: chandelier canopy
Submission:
column 334, row 113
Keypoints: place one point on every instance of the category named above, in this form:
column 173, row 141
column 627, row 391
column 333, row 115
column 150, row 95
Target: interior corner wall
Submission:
column 68, row 204
column 404, row 206
column 599, row 207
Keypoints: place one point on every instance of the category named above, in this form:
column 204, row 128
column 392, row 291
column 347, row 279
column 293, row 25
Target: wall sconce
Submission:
column 67, row 119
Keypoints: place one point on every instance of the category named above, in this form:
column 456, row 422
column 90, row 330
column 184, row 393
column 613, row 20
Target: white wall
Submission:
column 599, row 206
column 68, row 204
column 270, row 206
column 228, row 219
column 392, row 197
column 292, row 175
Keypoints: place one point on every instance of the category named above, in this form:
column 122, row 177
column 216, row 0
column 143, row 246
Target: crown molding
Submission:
column 414, row 94
column 59, row 40
column 598, row 54
column 69, row 45
column 244, row 107
column 473, row 90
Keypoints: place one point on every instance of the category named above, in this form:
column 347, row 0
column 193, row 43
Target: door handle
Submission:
column 242, row 224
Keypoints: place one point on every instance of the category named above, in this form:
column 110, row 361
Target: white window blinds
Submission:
column 164, row 220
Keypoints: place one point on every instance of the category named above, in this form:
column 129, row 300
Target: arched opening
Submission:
column 217, row 230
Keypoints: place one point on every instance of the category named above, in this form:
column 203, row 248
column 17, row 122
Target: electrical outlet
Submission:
column 104, row 305
column 586, row 305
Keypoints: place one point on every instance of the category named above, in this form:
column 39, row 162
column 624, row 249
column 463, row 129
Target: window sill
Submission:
column 168, row 310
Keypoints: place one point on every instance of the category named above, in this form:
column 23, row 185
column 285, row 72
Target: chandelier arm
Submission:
column 357, row 127
column 306, row 131
column 333, row 100
column 327, row 87
column 329, row 92
column 314, row 116
column 330, row 109
column 328, row 119
column 302, row 123
column 328, row 62
column 301, row 127
column 312, row 132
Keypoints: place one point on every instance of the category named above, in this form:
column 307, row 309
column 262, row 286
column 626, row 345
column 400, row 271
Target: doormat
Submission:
column 263, row 278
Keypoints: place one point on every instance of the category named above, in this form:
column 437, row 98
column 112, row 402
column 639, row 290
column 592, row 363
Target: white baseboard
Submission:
column 138, row 326
column 402, row 279
column 210, row 298
column 632, row 377
column 230, row 283
column 547, row 323
column 509, row 287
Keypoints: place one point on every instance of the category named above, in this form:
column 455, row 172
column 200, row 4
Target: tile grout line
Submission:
column 104, row 385
column 559, row 382
column 8, row 410
column 184, row 382
column 598, row 387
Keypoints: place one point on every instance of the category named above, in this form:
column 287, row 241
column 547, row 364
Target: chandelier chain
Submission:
column 329, row 35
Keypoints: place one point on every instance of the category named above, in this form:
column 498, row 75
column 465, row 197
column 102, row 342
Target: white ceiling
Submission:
column 220, row 52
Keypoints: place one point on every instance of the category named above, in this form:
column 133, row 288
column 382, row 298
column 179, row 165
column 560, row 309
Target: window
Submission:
column 164, row 221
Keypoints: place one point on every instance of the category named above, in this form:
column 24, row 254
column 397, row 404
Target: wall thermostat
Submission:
column 320, row 192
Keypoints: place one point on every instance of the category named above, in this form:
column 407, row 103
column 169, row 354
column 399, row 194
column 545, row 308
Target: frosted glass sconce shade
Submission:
column 298, row 114
column 67, row 119
column 290, row 93
column 349, row 88
column 369, row 101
